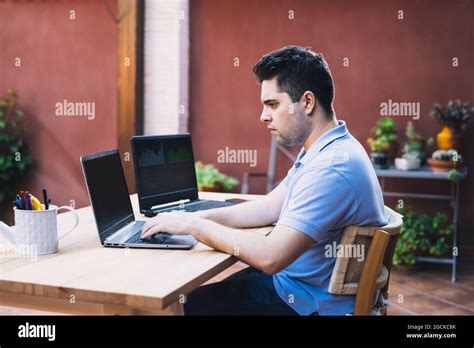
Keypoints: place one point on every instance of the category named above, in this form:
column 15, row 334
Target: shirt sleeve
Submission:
column 320, row 200
column 288, row 176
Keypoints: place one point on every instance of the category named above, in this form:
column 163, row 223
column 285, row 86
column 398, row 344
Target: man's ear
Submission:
column 308, row 100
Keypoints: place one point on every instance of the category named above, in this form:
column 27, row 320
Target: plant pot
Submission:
column 448, row 140
column 439, row 166
column 379, row 160
column 407, row 163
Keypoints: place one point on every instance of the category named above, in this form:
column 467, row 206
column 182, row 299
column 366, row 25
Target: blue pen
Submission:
column 18, row 203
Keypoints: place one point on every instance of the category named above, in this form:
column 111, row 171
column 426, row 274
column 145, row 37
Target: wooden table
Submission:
column 86, row 278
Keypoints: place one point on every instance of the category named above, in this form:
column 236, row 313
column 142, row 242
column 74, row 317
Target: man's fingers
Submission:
column 151, row 223
column 150, row 231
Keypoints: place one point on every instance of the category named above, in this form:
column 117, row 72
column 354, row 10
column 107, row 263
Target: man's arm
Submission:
column 269, row 254
column 260, row 212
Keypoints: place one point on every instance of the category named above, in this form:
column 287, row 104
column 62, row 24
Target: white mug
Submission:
column 36, row 231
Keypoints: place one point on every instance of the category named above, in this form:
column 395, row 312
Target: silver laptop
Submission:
column 113, row 212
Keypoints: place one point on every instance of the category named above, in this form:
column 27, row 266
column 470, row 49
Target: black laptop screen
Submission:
column 164, row 168
column 108, row 190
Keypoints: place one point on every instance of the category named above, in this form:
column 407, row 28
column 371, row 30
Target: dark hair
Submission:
column 298, row 70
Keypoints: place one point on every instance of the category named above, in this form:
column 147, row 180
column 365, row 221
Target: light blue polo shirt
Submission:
column 330, row 186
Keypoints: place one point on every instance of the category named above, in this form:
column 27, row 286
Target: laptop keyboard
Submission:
column 158, row 238
column 199, row 205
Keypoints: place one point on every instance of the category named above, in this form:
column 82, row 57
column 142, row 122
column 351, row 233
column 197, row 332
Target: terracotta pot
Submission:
column 448, row 140
column 439, row 166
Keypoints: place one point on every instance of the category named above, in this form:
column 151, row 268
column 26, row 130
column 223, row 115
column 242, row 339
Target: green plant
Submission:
column 14, row 155
column 454, row 175
column 415, row 147
column 421, row 234
column 210, row 179
column 456, row 115
column 383, row 135
column 446, row 155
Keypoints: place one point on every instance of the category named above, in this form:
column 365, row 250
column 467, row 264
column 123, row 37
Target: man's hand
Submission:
column 173, row 222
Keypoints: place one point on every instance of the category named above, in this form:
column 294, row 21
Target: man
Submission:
column 331, row 185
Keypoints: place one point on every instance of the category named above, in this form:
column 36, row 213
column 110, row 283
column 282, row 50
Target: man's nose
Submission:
column 265, row 116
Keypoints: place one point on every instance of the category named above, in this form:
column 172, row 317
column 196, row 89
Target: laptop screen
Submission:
column 164, row 169
column 107, row 191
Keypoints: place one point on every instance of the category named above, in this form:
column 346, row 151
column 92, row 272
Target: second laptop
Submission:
column 165, row 175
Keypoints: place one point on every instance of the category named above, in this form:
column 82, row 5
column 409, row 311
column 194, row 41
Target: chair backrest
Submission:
column 349, row 267
column 270, row 174
column 272, row 159
column 371, row 273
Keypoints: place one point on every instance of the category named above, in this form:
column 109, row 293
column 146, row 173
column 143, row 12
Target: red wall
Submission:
column 402, row 60
column 61, row 59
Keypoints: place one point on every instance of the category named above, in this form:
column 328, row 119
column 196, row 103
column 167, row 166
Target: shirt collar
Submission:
column 304, row 156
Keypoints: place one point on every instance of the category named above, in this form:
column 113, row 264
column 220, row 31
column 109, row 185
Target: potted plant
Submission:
column 383, row 143
column 408, row 161
column 15, row 158
column 415, row 147
column 421, row 235
column 210, row 179
column 443, row 161
column 455, row 118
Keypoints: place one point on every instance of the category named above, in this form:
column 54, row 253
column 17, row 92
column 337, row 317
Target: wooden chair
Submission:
column 367, row 276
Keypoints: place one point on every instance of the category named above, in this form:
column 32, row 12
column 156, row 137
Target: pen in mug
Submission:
column 45, row 199
column 28, row 201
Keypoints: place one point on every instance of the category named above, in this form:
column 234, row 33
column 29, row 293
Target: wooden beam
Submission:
column 130, row 80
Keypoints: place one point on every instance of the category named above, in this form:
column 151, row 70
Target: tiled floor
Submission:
column 426, row 290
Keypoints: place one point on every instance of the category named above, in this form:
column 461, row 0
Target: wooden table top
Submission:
column 138, row 278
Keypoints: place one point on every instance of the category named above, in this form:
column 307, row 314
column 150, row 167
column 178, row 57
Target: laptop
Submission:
column 165, row 175
column 108, row 194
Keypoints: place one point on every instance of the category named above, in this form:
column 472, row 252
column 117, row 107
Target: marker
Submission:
column 45, row 199
column 36, row 204
column 23, row 200
column 28, row 201
column 18, row 203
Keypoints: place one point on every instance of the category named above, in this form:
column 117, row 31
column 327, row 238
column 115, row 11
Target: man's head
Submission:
column 297, row 92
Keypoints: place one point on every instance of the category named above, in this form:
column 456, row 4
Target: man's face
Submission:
column 286, row 119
